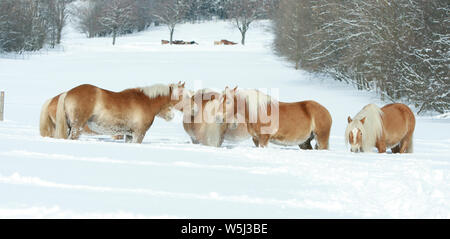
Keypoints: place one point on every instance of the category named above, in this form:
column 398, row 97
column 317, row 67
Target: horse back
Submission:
column 308, row 110
column 398, row 120
column 86, row 100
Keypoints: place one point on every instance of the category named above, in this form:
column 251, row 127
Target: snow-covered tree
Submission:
column 398, row 48
column 117, row 16
column 243, row 13
column 292, row 26
column 170, row 13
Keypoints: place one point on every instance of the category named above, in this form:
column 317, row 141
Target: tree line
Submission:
column 398, row 48
column 117, row 17
column 28, row 25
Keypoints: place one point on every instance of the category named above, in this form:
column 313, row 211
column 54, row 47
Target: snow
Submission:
column 167, row 176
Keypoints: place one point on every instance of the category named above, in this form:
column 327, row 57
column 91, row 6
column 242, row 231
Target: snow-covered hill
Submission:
column 167, row 176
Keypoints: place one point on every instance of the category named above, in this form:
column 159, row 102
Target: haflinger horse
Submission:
column 130, row 112
column 207, row 122
column 47, row 123
column 226, row 42
column 269, row 120
column 389, row 127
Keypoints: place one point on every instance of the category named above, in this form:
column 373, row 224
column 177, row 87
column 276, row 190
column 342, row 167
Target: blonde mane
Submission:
column 254, row 100
column 371, row 130
column 156, row 90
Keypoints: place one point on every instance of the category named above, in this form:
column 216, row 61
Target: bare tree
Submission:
column 117, row 16
column 56, row 16
column 23, row 25
column 292, row 28
column 61, row 17
column 88, row 15
column 169, row 12
column 399, row 49
column 243, row 13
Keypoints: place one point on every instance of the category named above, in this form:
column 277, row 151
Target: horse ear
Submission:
column 363, row 120
column 182, row 85
column 349, row 120
column 235, row 88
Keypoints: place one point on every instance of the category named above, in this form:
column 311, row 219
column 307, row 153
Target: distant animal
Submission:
column 163, row 42
column 47, row 121
column 191, row 43
column 226, row 42
column 181, row 42
column 178, row 42
column 389, row 127
column 130, row 112
column 296, row 123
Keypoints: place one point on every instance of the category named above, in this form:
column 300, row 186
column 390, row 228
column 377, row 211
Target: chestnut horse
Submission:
column 226, row 42
column 130, row 112
column 389, row 127
column 47, row 121
column 206, row 122
column 294, row 123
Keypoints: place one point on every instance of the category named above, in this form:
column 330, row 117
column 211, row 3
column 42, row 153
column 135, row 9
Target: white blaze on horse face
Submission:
column 355, row 135
column 354, row 146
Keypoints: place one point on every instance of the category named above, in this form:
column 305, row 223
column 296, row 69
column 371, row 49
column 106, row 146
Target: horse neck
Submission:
column 160, row 102
column 241, row 113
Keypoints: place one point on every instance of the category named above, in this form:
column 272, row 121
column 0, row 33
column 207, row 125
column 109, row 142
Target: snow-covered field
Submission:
column 167, row 176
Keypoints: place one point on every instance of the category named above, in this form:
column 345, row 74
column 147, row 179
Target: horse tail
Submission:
column 46, row 125
column 62, row 126
column 410, row 145
column 321, row 122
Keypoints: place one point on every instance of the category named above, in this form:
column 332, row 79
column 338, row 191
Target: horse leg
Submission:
column 117, row 137
column 139, row 133
column 255, row 141
column 128, row 138
column 264, row 140
column 406, row 144
column 396, row 149
column 381, row 146
column 75, row 131
column 138, row 137
column 307, row 144
column 194, row 141
column 322, row 139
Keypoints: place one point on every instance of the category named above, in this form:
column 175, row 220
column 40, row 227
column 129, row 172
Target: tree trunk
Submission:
column 58, row 35
column 114, row 37
column 171, row 35
column 243, row 38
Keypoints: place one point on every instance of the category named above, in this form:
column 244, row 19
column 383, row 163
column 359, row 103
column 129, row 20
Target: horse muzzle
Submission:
column 219, row 119
column 355, row 149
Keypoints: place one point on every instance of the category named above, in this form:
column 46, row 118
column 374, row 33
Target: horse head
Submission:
column 354, row 134
column 229, row 105
column 177, row 93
